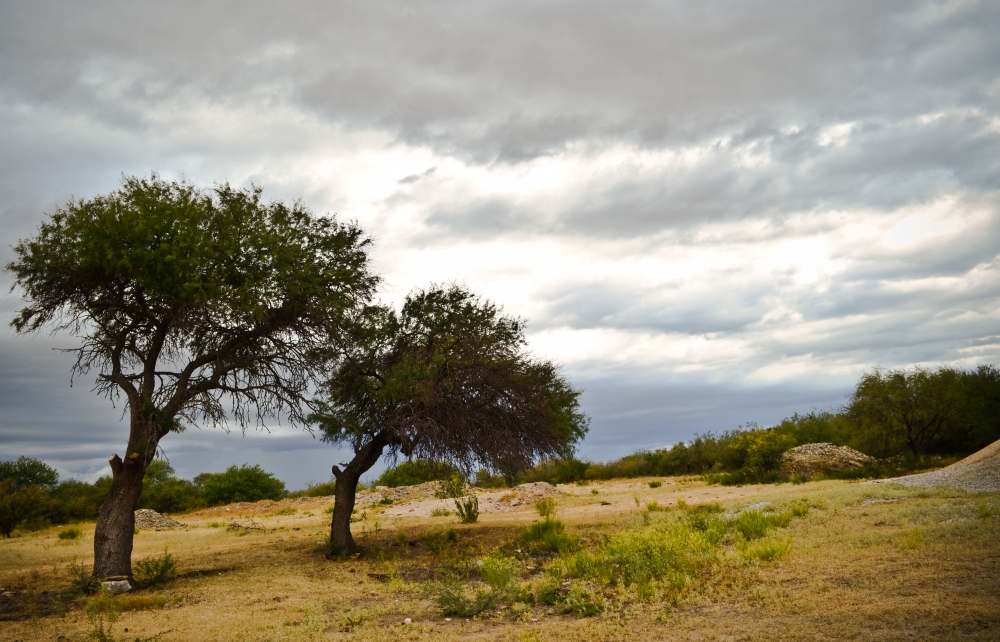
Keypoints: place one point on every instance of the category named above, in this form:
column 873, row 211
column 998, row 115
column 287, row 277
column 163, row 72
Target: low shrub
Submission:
column 81, row 581
column 216, row 524
column 655, row 484
column 766, row 551
column 468, row 509
column 453, row 487
column 155, row 570
column 546, row 507
column 550, row 535
column 754, row 524
column 70, row 533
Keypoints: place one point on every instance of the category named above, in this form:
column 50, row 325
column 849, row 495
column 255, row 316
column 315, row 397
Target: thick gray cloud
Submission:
column 710, row 213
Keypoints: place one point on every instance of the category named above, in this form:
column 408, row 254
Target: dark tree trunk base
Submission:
column 115, row 529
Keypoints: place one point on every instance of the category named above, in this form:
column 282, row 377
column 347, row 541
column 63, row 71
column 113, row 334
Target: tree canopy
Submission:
column 447, row 378
column 194, row 305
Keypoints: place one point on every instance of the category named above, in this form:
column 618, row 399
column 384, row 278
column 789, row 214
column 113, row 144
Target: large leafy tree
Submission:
column 24, row 491
column 447, row 378
column 910, row 409
column 191, row 306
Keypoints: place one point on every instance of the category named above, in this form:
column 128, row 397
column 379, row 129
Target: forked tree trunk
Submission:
column 115, row 529
column 341, row 541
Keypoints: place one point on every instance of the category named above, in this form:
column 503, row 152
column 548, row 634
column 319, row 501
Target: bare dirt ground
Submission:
column 868, row 562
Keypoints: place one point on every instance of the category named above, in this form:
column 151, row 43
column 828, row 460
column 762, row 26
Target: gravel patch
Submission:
column 980, row 471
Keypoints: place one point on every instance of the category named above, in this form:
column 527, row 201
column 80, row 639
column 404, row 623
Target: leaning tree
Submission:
column 447, row 378
column 192, row 306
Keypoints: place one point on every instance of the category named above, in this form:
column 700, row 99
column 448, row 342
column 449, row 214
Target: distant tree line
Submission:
column 32, row 496
column 905, row 418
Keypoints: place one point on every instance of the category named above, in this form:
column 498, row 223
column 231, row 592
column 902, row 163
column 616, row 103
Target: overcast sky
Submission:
column 710, row 213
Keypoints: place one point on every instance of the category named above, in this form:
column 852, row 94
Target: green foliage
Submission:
column 154, row 571
column 165, row 493
column 766, row 551
column 28, row 471
column 546, row 507
column 70, row 534
column 81, row 581
column 486, row 479
column 19, row 503
column 923, row 411
column 655, row 484
column 468, row 509
column 244, row 483
column 440, row 512
column 417, row 471
column 450, row 488
column 550, row 535
column 754, row 524
column 324, row 489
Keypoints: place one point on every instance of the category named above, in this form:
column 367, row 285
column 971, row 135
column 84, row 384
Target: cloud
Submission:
column 709, row 213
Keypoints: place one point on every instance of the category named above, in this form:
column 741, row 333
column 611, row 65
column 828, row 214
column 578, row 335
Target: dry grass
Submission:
column 923, row 565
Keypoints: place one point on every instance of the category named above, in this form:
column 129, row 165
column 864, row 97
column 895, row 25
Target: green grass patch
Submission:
column 70, row 534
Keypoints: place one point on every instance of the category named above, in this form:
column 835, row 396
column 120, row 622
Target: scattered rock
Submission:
column 812, row 458
column 145, row 518
column 117, row 586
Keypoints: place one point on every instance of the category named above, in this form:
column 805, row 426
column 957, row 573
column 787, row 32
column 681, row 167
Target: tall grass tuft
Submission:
column 70, row 533
column 550, row 535
column 468, row 509
column 546, row 507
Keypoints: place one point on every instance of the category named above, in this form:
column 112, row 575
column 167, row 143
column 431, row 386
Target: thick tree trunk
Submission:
column 341, row 541
column 116, row 519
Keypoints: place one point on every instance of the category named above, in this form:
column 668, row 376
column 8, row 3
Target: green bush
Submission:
column 244, row 483
column 165, row 493
column 417, row 471
column 468, row 509
column 154, row 571
column 451, row 488
column 754, row 524
column 549, row 534
column 70, row 534
column 546, row 507
column 655, row 484
column 324, row 489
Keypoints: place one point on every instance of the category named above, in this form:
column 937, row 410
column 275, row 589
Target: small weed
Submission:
column 71, row 533
column 386, row 501
column 156, row 570
column 81, row 581
column 800, row 509
column 593, row 491
column 766, row 551
column 440, row 512
column 215, row 524
column 401, row 539
column 546, row 507
column 468, row 509
column 681, row 503
column 635, row 498
column 328, row 510
column 654, row 507
column 655, row 484
column 984, row 511
column 286, row 511
column 353, row 619
column 912, row 539
column 583, row 602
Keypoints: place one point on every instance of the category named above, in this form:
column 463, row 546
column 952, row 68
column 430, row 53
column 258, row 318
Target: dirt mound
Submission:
column 979, row 471
column 145, row 518
column 811, row 458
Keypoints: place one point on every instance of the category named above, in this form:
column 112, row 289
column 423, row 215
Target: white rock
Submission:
column 117, row 586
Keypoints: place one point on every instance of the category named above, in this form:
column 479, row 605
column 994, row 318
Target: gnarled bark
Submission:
column 365, row 457
column 115, row 529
